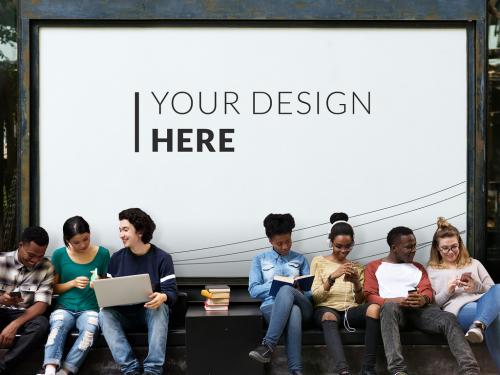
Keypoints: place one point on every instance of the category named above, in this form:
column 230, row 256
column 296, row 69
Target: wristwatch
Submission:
column 331, row 280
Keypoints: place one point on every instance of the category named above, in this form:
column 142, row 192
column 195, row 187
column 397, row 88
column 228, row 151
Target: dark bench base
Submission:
column 427, row 359
column 100, row 362
column 421, row 359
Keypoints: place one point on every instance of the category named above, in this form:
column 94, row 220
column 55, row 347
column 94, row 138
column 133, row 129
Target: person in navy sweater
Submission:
column 139, row 256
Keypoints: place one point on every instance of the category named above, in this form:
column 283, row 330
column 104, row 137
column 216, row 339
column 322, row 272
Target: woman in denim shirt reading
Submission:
column 285, row 312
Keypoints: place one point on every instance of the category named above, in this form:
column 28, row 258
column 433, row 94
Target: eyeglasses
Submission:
column 343, row 247
column 451, row 249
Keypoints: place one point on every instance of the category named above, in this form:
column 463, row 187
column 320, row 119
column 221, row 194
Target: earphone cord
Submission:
column 347, row 327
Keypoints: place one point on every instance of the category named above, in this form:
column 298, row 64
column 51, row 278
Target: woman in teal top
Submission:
column 75, row 266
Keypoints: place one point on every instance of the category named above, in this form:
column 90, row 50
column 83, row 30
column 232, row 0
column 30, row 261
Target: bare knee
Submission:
column 87, row 340
column 329, row 316
column 373, row 311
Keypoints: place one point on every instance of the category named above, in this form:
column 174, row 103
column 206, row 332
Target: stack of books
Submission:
column 217, row 297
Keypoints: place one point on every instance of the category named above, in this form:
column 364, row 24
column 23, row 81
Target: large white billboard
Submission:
column 209, row 129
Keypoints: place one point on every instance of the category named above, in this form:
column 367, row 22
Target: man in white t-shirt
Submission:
column 402, row 287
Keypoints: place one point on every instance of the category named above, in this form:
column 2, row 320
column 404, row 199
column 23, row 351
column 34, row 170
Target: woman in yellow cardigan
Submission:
column 338, row 298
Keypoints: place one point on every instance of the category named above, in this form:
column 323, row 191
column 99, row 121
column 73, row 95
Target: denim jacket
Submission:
column 266, row 265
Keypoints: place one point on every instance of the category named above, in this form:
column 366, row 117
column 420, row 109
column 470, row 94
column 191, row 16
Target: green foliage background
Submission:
column 8, row 124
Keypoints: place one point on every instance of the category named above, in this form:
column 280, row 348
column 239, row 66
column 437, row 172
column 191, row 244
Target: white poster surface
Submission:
column 210, row 129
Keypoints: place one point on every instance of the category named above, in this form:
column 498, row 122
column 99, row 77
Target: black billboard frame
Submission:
column 469, row 14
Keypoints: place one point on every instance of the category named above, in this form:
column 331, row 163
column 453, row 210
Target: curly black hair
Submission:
column 141, row 221
column 278, row 224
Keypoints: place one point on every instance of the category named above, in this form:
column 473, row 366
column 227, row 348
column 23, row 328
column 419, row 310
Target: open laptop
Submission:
column 125, row 290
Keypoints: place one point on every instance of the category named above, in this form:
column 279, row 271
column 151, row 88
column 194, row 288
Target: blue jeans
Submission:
column 61, row 323
column 286, row 314
column 115, row 320
column 486, row 309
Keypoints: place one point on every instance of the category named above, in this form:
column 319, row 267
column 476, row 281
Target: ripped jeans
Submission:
column 61, row 323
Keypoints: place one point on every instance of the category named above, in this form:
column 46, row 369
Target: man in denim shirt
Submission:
column 290, row 306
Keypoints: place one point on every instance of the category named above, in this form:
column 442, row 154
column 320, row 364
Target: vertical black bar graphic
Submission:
column 136, row 122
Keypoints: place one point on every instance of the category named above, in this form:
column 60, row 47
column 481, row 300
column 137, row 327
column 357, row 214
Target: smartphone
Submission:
column 15, row 294
column 412, row 291
column 350, row 267
column 466, row 276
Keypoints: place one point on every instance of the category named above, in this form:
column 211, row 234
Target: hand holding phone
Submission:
column 415, row 299
column 468, row 283
column 350, row 273
column 405, row 301
column 341, row 270
column 16, row 295
column 11, row 298
column 466, row 277
column 414, row 290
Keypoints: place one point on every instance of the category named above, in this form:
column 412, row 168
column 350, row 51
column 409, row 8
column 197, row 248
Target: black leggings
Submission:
column 356, row 317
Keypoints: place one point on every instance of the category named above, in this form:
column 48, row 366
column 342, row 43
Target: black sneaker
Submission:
column 262, row 353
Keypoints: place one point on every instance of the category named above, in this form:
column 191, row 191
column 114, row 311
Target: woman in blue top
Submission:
column 285, row 312
column 76, row 306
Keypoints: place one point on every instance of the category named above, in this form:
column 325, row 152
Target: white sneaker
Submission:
column 475, row 333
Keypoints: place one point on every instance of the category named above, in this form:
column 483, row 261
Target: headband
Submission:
column 340, row 221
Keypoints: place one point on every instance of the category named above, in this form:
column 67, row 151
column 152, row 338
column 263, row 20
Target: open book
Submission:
column 303, row 282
